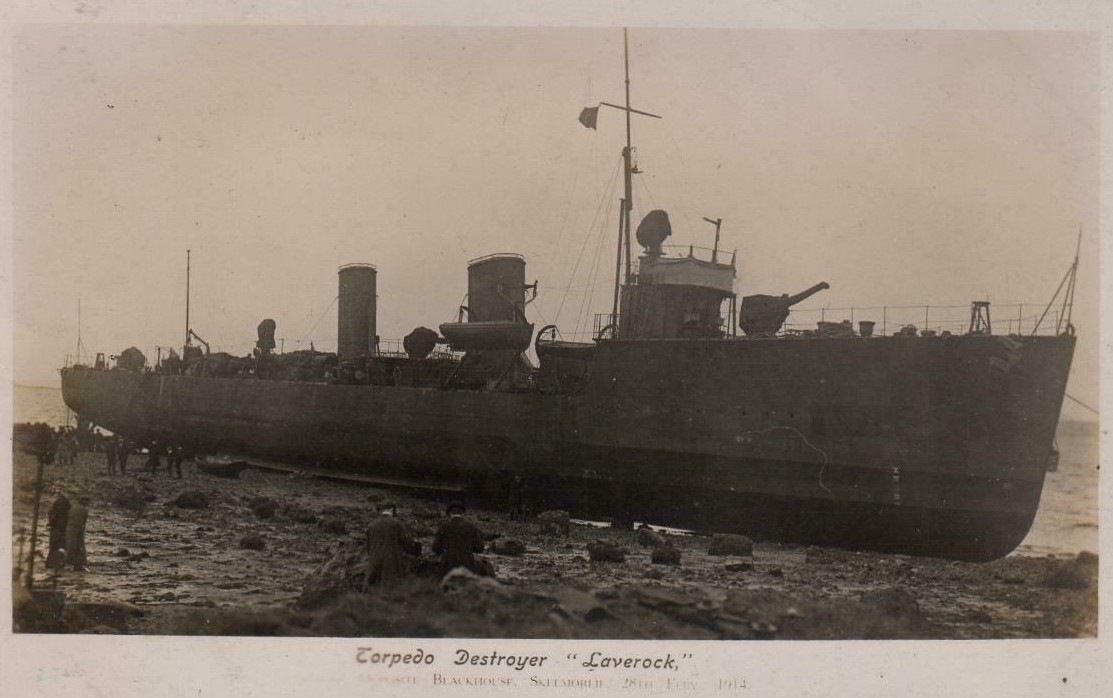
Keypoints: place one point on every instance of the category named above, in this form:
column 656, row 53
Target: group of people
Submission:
column 455, row 544
column 116, row 452
column 117, row 449
column 67, row 446
column 175, row 455
column 66, row 521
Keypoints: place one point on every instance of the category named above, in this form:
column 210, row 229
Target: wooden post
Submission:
column 35, row 522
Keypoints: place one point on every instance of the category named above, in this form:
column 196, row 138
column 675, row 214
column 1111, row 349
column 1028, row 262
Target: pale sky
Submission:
column 902, row 167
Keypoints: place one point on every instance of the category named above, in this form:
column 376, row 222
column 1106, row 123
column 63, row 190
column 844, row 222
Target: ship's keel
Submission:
column 955, row 534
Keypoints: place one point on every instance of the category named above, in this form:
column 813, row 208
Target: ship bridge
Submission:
column 676, row 297
column 687, row 271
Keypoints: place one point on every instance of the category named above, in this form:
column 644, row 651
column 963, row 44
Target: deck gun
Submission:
column 764, row 315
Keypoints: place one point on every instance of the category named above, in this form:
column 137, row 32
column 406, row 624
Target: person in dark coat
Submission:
column 457, row 541
column 174, row 459
column 153, row 462
column 518, row 510
column 57, row 518
column 110, row 455
column 387, row 539
column 75, row 533
column 123, row 450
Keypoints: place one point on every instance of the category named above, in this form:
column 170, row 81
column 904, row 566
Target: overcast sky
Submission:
column 903, row 168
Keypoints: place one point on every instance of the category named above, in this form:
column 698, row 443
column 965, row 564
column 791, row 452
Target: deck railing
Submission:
column 1006, row 319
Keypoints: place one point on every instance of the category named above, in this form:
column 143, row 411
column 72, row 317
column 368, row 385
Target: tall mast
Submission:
column 187, row 297
column 618, row 259
column 627, row 155
column 587, row 118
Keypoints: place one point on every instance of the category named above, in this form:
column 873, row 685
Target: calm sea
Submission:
column 1067, row 521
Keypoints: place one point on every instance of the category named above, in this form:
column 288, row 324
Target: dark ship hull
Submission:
column 919, row 445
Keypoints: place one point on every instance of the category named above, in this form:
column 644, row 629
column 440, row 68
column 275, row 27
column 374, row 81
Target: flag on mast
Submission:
column 589, row 116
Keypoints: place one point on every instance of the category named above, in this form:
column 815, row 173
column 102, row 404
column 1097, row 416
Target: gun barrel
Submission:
column 822, row 285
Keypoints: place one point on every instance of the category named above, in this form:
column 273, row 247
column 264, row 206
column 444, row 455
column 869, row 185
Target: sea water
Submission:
column 1067, row 521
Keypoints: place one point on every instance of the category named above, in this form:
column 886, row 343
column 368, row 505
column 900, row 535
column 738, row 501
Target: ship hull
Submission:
column 931, row 445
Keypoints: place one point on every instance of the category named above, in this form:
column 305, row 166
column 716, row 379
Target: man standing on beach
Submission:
column 153, row 461
column 387, row 538
column 174, row 459
column 110, row 455
column 62, row 455
column 57, row 518
column 518, row 511
column 457, row 541
column 75, row 533
column 122, row 452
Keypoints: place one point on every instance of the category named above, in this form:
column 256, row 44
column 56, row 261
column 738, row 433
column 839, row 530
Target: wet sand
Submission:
column 183, row 570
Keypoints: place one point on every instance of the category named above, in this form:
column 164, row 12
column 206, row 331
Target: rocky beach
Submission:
column 280, row 553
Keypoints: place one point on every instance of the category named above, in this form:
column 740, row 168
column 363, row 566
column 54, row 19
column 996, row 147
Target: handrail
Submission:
column 1009, row 317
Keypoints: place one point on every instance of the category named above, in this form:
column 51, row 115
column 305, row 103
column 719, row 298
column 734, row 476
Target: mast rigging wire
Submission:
column 319, row 318
column 1076, row 400
column 606, row 196
column 593, row 276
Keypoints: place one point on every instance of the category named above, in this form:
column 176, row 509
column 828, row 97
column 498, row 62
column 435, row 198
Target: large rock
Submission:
column 1068, row 574
column 665, row 555
column 299, row 514
column 575, row 603
column 555, row 522
column 253, row 541
column 668, row 600
column 604, row 551
column 263, row 507
column 648, row 538
column 730, row 544
column 132, row 497
column 113, row 615
column 192, row 499
column 460, row 580
column 893, row 603
column 511, row 547
column 343, row 572
column 335, row 525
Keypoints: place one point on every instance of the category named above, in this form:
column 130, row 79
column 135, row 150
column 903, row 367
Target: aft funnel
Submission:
column 356, row 311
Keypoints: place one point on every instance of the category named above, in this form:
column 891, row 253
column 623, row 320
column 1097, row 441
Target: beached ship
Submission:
column 919, row 443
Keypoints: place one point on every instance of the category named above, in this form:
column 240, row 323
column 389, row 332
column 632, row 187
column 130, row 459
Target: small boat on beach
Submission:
column 219, row 466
